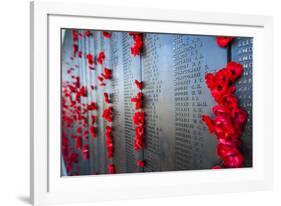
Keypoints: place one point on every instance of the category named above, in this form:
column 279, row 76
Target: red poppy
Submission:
column 233, row 161
column 106, row 97
column 230, row 101
column 83, row 91
column 74, row 35
column 140, row 163
column 93, row 119
column 139, row 84
column 234, row 70
column 92, row 131
column 74, row 49
column 220, row 110
column 226, row 150
column 92, row 106
column 138, row 143
column 101, row 57
column 139, row 131
column 79, row 130
column 224, row 128
column 138, row 43
column 138, row 118
column 78, row 142
column 209, row 122
column 210, row 80
column 107, row 74
column 107, row 114
column 90, row 59
column 111, row 169
column 137, row 100
column 223, row 41
column 88, row 33
column 106, row 34
column 239, row 116
column 100, row 78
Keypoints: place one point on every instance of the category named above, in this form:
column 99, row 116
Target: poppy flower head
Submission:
column 106, row 98
column 138, row 118
column 234, row 70
column 111, row 169
column 138, row 84
column 209, row 122
column 88, row 33
column 92, row 131
column 90, row 59
column 107, row 114
column 223, row 41
column 106, row 34
column 101, row 57
column 140, row 163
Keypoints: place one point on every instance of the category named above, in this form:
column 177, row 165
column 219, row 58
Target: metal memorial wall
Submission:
column 172, row 68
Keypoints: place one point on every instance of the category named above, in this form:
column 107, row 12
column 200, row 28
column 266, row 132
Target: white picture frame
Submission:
column 47, row 186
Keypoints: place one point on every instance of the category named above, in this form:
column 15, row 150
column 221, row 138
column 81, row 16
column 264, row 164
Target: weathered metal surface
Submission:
column 242, row 52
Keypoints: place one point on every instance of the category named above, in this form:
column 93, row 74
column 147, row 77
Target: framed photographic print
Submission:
column 133, row 103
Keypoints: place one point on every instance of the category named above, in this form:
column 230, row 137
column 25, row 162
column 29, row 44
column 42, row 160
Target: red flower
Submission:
column 78, row 142
column 106, row 34
column 139, row 84
column 92, row 106
column 223, row 128
column 83, row 91
column 101, row 57
column 138, row 143
column 239, row 117
column 92, row 131
column 138, row 100
column 138, row 43
column 229, row 119
column 230, row 101
column 223, row 41
column 79, row 130
column 74, row 49
column 234, row 70
column 106, row 97
column 220, row 110
column 74, row 35
column 225, row 150
column 88, row 33
column 139, row 131
column 107, row 74
column 210, row 80
column 234, row 161
column 107, row 114
column 138, row 118
column 111, row 169
column 140, row 163
column 100, row 78
column 209, row 122
column 93, row 119
column 90, row 59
